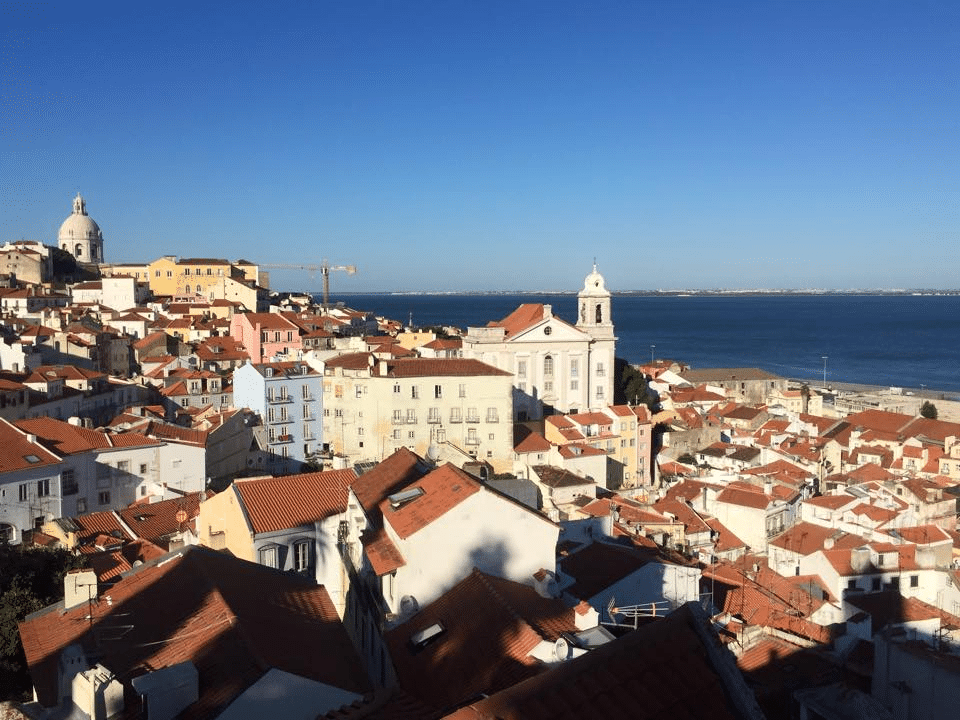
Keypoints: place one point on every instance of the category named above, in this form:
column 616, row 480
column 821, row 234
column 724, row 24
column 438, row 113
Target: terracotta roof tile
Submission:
column 489, row 627
column 234, row 619
column 294, row 500
column 443, row 489
column 661, row 670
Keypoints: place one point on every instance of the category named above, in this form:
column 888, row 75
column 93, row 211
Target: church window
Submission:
column 601, row 371
column 548, row 330
column 521, row 368
column 548, row 366
column 574, row 368
column 79, row 250
column 599, row 313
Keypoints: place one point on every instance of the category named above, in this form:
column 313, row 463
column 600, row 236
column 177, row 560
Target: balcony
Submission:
column 284, row 438
column 473, row 418
column 472, row 440
column 281, row 398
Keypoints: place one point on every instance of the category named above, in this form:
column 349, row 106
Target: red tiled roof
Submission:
column 443, row 489
column 440, row 367
column 383, row 555
column 598, row 566
column 17, row 453
column 490, row 626
column 662, row 670
column 294, row 500
column 157, row 521
column 234, row 619
column 528, row 441
column 520, row 319
column 390, row 475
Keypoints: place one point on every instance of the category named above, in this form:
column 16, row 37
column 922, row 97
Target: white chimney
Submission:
column 79, row 586
column 97, row 693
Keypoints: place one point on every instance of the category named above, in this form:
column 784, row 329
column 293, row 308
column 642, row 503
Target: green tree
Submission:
column 30, row 579
column 632, row 387
column 929, row 410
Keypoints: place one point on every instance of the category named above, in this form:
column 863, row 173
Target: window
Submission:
column 358, row 391
column 574, row 384
column 914, row 581
column 396, row 434
column 522, row 368
column 43, row 487
column 186, row 271
column 411, row 435
column 68, row 483
column 411, row 416
column 123, row 466
column 455, row 415
column 433, row 416
column 301, row 556
column 851, row 584
column 462, row 390
column 268, row 556
column 397, row 417
column 103, row 497
column 548, row 386
column 875, row 583
column 23, row 493
column 548, row 366
column 81, row 506
column 396, row 388
column 599, row 392
column 492, row 415
column 574, row 368
column 414, row 392
column 601, row 371
column 438, row 391
column 305, row 392
column 473, row 415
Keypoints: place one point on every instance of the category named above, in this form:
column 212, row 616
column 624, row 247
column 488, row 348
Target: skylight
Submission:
column 422, row 638
column 404, row 496
column 32, row 459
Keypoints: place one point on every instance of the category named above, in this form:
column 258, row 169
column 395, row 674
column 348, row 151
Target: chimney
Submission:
column 97, row 693
column 79, row 586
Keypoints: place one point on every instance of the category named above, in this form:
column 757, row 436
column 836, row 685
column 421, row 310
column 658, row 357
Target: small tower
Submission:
column 594, row 307
column 80, row 236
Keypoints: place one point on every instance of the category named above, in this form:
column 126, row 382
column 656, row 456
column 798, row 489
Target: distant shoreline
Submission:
column 650, row 293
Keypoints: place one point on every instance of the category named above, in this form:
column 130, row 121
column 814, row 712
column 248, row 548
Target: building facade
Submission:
column 557, row 367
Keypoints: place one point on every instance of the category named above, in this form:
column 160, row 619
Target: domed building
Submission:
column 80, row 236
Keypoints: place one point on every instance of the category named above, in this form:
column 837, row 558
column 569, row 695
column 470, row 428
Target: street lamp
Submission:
column 824, row 370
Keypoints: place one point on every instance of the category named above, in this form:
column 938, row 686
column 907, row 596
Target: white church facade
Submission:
column 557, row 367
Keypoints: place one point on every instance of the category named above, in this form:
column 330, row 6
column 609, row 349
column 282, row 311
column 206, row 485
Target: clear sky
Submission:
column 492, row 145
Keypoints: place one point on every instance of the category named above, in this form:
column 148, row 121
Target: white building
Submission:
column 85, row 471
column 373, row 407
column 286, row 395
column 556, row 366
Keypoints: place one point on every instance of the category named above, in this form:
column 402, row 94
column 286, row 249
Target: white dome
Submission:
column 594, row 282
column 79, row 226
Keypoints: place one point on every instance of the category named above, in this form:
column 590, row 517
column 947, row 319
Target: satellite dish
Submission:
column 433, row 453
column 408, row 604
column 561, row 649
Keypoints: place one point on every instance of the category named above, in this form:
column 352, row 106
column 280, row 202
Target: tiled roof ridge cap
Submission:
column 481, row 576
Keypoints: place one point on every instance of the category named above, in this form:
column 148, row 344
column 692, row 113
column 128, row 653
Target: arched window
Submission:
column 548, row 366
column 599, row 313
column 78, row 251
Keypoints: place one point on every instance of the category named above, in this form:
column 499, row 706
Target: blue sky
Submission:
column 496, row 145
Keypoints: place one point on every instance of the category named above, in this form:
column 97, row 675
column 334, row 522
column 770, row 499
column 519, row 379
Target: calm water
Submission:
column 906, row 341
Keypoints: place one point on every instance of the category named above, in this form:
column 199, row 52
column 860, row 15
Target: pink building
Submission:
column 266, row 335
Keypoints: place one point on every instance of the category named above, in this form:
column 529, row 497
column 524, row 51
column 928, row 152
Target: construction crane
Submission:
column 323, row 268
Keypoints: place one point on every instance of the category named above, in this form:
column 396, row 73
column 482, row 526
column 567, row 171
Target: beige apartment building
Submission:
column 373, row 407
